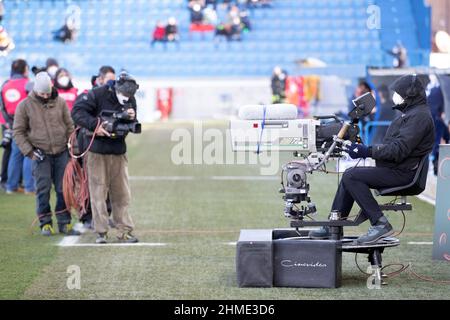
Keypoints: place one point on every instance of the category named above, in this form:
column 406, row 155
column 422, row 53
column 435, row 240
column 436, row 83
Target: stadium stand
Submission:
column 118, row 32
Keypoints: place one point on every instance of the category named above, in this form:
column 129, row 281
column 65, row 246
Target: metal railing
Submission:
column 371, row 124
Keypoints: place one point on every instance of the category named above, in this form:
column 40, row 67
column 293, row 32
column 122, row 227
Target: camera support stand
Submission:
column 374, row 251
column 336, row 225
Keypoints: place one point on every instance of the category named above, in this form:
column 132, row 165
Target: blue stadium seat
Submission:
column 119, row 32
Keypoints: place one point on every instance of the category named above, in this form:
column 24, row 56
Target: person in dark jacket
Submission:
column 436, row 102
column 172, row 30
column 89, row 107
column 409, row 138
column 278, row 85
column 106, row 161
column 106, row 75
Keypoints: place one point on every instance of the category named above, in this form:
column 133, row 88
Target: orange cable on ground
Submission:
column 75, row 181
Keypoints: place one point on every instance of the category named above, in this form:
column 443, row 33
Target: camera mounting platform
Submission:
column 349, row 244
column 290, row 258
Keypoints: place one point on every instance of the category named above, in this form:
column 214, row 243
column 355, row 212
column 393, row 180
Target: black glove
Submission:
column 356, row 151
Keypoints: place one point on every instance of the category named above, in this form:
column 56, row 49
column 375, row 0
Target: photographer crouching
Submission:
column 109, row 112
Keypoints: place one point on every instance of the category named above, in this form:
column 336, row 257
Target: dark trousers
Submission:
column 47, row 172
column 5, row 160
column 356, row 184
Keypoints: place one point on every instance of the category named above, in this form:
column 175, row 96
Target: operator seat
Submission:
column 413, row 188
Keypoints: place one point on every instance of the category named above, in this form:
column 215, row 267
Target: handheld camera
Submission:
column 119, row 124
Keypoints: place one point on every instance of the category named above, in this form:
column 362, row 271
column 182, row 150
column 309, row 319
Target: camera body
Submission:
column 303, row 137
column 119, row 123
column 276, row 128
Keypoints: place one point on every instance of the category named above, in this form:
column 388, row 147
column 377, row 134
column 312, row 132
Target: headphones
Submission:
column 126, row 83
column 124, row 77
column 411, row 91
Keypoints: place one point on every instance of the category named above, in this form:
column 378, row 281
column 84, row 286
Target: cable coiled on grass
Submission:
column 75, row 180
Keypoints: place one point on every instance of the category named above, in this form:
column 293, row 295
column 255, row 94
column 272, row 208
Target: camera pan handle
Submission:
column 343, row 131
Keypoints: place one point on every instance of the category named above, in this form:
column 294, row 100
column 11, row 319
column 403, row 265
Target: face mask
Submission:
column 397, row 99
column 122, row 99
column 43, row 100
column 52, row 71
column 110, row 83
column 64, row 81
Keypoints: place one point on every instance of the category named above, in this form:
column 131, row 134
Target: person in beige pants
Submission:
column 109, row 173
column 106, row 162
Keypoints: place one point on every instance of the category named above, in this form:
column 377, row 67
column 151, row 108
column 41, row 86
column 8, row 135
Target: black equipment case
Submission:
column 285, row 258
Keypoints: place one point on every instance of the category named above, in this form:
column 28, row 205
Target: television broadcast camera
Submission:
column 314, row 141
column 119, row 124
column 276, row 128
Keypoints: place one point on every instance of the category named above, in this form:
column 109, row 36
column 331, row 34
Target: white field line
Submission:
column 72, row 241
column 189, row 178
column 239, row 178
column 160, row 178
column 68, row 241
column 139, row 244
column 424, row 243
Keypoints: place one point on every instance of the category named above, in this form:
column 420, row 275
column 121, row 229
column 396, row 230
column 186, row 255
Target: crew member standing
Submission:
column 107, row 161
column 42, row 127
column 106, row 74
column 14, row 165
column 65, row 87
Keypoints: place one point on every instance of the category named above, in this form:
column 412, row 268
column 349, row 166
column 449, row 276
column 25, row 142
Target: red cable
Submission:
column 75, row 181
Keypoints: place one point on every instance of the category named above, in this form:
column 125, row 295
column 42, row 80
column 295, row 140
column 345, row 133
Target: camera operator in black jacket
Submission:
column 106, row 161
column 409, row 138
column 106, row 74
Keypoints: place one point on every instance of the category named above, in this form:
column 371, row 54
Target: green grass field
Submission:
column 197, row 218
